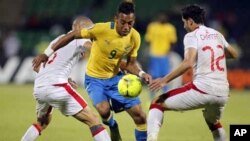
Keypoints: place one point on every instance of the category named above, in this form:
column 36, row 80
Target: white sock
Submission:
column 100, row 133
column 31, row 134
column 219, row 134
column 154, row 122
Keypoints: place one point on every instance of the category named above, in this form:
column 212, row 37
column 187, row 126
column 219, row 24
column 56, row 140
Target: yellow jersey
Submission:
column 160, row 36
column 109, row 48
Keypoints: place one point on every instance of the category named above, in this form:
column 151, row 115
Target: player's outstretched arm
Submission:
column 132, row 66
column 62, row 41
column 187, row 63
column 231, row 52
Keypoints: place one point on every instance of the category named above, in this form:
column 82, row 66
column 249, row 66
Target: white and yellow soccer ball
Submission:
column 129, row 86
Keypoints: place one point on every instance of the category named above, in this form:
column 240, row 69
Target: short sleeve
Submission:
column 96, row 30
column 190, row 42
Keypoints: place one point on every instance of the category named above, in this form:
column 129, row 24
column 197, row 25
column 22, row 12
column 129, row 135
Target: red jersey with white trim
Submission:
column 209, row 71
column 60, row 63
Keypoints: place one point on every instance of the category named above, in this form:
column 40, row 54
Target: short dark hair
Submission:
column 194, row 12
column 126, row 7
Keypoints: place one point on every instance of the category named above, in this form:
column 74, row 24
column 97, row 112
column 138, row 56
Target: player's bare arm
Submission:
column 187, row 63
column 74, row 34
column 231, row 52
column 132, row 67
column 123, row 65
column 78, row 25
column 64, row 40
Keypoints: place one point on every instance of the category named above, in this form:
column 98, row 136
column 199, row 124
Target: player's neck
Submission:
column 196, row 26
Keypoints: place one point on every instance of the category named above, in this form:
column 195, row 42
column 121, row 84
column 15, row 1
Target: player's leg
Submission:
column 155, row 117
column 44, row 117
column 132, row 106
column 105, row 112
column 88, row 117
column 35, row 129
column 184, row 98
column 139, row 118
column 77, row 107
column 212, row 115
column 134, row 109
column 96, row 91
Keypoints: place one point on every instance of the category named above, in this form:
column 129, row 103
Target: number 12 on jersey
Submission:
column 215, row 62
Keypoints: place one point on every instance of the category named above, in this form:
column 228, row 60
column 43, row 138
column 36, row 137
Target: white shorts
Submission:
column 59, row 96
column 189, row 97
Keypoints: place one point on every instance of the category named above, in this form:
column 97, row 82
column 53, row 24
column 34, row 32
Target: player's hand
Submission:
column 36, row 69
column 157, row 84
column 72, row 83
column 147, row 78
column 41, row 58
column 88, row 45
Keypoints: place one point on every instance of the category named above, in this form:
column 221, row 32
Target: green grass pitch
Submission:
column 17, row 113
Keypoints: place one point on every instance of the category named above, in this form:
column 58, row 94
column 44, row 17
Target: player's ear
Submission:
column 190, row 21
column 115, row 18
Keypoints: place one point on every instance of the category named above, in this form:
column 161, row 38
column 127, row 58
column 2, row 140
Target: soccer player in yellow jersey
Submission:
column 112, row 41
column 160, row 35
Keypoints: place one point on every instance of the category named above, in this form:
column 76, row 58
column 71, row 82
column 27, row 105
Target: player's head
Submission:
column 162, row 17
column 81, row 22
column 192, row 16
column 125, row 17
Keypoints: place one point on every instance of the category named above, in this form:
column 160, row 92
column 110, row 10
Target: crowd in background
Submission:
column 36, row 26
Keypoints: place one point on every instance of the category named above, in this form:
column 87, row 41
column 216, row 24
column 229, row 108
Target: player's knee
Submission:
column 104, row 111
column 158, row 102
column 158, row 106
column 159, row 99
column 139, row 117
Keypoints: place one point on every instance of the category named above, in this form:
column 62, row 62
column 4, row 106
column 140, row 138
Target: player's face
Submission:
column 186, row 24
column 124, row 23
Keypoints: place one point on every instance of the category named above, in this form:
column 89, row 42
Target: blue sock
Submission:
column 110, row 121
column 140, row 135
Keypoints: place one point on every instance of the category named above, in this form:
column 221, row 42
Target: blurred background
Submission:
column 27, row 27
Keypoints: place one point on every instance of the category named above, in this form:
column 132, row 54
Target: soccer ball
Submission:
column 130, row 86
